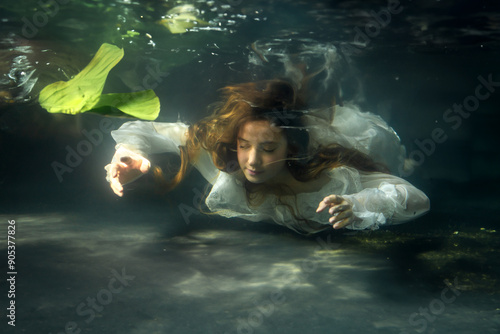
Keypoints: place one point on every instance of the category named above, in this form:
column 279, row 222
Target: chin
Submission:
column 256, row 180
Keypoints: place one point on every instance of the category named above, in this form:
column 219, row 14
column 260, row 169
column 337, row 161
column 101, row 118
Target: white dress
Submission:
column 377, row 198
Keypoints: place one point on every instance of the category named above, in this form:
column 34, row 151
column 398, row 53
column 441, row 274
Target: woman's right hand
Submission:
column 126, row 170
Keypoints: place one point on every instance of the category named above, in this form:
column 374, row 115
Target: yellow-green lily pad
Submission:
column 182, row 18
column 143, row 104
column 84, row 92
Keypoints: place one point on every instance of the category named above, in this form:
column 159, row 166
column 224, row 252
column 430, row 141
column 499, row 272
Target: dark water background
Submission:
column 210, row 275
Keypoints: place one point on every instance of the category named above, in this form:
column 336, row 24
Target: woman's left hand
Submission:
column 340, row 209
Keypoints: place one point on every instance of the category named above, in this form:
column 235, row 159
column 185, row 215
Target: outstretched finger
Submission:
column 116, row 186
column 338, row 208
column 341, row 216
column 327, row 201
column 343, row 223
column 333, row 199
column 145, row 165
column 115, row 168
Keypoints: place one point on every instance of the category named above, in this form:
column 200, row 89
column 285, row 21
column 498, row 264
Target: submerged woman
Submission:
column 268, row 158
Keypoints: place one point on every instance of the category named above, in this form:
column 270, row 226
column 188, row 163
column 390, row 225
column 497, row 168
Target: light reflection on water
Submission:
column 74, row 31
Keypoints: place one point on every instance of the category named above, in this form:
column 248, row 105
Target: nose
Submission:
column 254, row 159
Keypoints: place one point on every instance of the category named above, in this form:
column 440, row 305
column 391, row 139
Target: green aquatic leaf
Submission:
column 84, row 92
column 81, row 93
column 143, row 104
column 182, row 18
column 131, row 33
column 182, row 23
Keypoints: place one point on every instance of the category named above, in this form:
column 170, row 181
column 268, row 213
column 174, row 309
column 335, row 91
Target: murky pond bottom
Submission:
column 126, row 271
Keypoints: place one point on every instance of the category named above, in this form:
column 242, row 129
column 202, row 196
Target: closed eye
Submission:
column 246, row 147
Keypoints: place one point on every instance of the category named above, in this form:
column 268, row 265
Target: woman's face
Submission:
column 262, row 150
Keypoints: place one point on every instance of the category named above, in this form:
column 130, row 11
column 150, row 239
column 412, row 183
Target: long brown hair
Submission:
column 277, row 102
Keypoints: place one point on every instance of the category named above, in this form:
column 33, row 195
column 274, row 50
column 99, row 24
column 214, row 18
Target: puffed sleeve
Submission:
column 385, row 199
column 145, row 138
column 142, row 139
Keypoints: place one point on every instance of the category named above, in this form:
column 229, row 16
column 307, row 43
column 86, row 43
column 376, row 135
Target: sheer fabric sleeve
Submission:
column 364, row 131
column 145, row 138
column 385, row 199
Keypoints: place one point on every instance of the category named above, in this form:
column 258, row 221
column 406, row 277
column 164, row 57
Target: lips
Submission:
column 253, row 172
